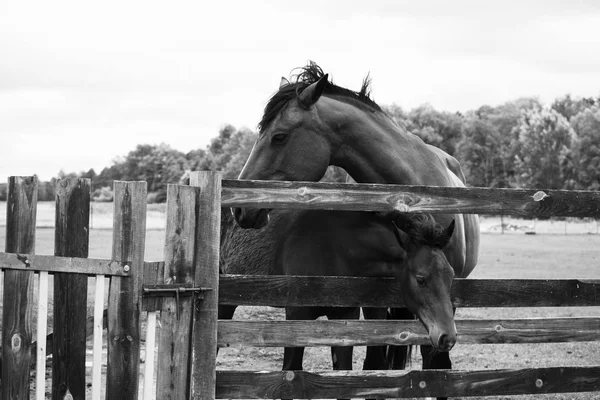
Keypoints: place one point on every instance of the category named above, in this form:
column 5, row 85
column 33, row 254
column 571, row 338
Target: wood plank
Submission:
column 124, row 295
column 18, row 301
column 42, row 329
column 281, row 291
column 176, row 316
column 97, row 341
column 154, row 273
column 369, row 333
column 204, row 328
column 420, row 199
column 71, row 239
column 401, row 384
column 55, row 264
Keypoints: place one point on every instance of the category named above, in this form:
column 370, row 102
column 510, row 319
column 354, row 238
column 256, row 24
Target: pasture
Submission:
column 544, row 255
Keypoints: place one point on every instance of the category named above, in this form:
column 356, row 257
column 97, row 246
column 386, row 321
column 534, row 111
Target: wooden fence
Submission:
column 186, row 289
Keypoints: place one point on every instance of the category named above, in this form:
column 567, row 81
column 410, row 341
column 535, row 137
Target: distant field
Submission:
column 547, row 254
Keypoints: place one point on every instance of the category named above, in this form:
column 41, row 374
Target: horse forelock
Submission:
column 307, row 75
column 423, row 229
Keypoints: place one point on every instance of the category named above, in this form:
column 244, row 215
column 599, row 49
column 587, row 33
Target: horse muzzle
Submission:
column 251, row 218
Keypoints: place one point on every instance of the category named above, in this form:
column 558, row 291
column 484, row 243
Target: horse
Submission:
column 311, row 123
column 344, row 243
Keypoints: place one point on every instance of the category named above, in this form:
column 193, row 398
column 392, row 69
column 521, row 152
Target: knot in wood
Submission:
column 539, row 383
column 498, row 328
column 539, row 195
column 303, row 191
column 15, row 342
column 403, row 336
column 289, row 376
column 68, row 396
column 422, row 384
column 401, row 206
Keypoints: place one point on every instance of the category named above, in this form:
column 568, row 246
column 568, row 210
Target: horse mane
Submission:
column 310, row 74
column 423, row 229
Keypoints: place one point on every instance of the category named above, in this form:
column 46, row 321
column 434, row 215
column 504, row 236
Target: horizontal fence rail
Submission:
column 420, row 199
column 385, row 332
column 311, row 291
column 56, row 264
column 399, row 384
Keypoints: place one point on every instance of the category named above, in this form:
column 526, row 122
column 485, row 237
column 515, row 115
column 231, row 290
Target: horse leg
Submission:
column 435, row 360
column 398, row 357
column 292, row 356
column 376, row 355
column 341, row 356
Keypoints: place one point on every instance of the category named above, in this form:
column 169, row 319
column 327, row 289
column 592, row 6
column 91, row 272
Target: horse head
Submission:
column 426, row 276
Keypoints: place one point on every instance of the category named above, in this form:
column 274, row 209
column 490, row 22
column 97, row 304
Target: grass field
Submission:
column 512, row 255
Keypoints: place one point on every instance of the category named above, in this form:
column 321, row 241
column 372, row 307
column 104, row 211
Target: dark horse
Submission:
column 343, row 243
column 311, row 123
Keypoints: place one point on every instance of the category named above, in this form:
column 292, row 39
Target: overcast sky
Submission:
column 84, row 82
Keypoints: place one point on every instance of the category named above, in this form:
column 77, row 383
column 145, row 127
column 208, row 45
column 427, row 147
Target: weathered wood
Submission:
column 153, row 273
column 176, row 314
column 204, row 329
column 55, row 264
column 124, row 295
column 17, row 303
column 421, row 199
column 281, row 291
column 71, row 239
column 399, row 384
column 369, row 333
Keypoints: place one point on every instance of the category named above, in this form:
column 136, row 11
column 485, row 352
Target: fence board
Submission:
column 422, row 199
column 176, row 316
column 398, row 384
column 124, row 296
column 204, row 328
column 71, row 239
column 281, row 291
column 54, row 264
column 369, row 333
column 17, row 302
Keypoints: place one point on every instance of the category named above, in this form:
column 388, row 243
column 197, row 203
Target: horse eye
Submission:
column 279, row 138
column 421, row 281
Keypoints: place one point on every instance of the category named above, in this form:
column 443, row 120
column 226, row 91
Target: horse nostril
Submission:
column 445, row 343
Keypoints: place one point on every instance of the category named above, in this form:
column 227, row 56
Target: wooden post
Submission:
column 17, row 315
column 176, row 314
column 205, row 316
column 71, row 239
column 124, row 296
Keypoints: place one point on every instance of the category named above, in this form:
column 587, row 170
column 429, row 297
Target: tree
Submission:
column 569, row 107
column 441, row 129
column 544, row 140
column 586, row 150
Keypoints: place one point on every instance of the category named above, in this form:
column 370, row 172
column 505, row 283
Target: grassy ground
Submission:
column 511, row 255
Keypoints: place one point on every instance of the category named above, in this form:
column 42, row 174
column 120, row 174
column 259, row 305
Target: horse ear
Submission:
column 402, row 237
column 313, row 92
column 283, row 82
column 448, row 234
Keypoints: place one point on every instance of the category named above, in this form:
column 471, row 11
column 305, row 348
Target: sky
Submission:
column 82, row 83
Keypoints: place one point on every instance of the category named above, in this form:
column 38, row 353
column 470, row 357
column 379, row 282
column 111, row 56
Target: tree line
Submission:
column 521, row 143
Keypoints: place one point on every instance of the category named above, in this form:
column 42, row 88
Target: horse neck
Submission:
column 374, row 149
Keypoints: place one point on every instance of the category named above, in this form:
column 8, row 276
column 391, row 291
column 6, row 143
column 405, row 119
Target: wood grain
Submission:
column 176, row 316
column 399, row 384
column 281, row 291
column 54, row 264
column 421, row 199
column 124, row 294
column 204, row 330
column 17, row 302
column 368, row 333
column 71, row 239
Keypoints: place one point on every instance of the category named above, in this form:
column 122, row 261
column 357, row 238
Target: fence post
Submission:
column 124, row 295
column 17, row 315
column 204, row 323
column 176, row 313
column 71, row 239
